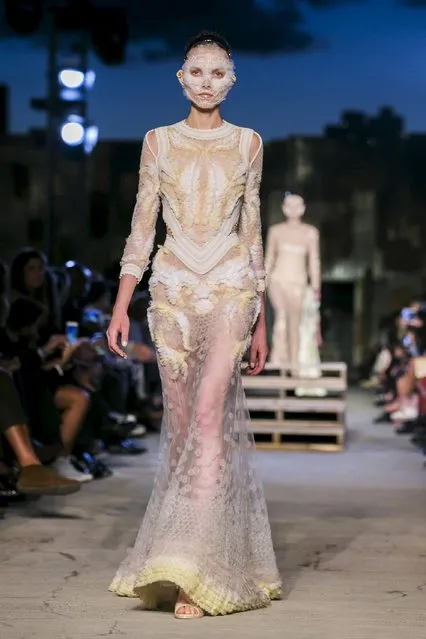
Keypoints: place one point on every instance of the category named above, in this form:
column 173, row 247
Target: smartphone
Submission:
column 71, row 332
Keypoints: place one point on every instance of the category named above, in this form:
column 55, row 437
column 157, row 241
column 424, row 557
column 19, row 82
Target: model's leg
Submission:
column 222, row 350
column 170, row 329
column 213, row 433
column 294, row 296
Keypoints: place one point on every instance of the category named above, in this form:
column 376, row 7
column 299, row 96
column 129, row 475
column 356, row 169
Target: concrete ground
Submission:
column 349, row 531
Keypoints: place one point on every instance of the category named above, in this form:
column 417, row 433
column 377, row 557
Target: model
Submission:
column 205, row 540
column 294, row 287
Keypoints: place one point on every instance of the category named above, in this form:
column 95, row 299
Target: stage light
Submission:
column 89, row 79
column 71, row 78
column 73, row 132
column 77, row 132
column 91, row 138
column 72, row 82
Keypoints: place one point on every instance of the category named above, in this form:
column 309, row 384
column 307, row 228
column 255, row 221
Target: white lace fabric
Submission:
column 206, row 527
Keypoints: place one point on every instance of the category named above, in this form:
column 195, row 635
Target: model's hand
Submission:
column 119, row 327
column 258, row 350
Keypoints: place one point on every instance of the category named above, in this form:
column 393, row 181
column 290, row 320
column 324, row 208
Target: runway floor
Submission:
column 349, row 531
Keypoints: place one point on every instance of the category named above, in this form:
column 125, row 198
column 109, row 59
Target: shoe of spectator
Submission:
column 126, row 447
column 138, row 431
column 405, row 414
column 39, row 480
column 408, row 428
column 368, row 384
column 119, row 418
column 65, row 468
column 88, row 463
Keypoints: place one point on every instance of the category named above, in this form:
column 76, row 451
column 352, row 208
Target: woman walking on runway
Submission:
column 205, row 539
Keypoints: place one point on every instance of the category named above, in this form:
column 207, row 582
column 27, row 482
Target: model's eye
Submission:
column 219, row 74
column 195, row 72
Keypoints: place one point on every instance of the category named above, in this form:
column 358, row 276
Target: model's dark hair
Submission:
column 208, row 37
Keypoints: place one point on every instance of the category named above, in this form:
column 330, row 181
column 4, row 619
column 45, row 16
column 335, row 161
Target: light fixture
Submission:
column 71, row 78
column 73, row 131
column 91, row 138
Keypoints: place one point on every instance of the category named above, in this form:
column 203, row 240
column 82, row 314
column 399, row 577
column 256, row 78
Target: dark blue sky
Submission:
column 375, row 55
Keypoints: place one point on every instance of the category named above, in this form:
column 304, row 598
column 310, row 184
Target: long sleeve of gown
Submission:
column 140, row 242
column 314, row 261
column 250, row 229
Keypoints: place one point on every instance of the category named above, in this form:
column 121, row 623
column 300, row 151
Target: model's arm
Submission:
column 314, row 263
column 251, row 234
column 270, row 251
column 140, row 242
column 250, row 229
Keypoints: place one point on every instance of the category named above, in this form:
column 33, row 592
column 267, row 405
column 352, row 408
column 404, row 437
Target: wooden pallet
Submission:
column 281, row 420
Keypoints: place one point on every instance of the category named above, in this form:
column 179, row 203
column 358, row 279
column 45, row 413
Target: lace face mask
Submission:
column 206, row 78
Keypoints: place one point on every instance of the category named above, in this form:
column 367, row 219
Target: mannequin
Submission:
column 293, row 271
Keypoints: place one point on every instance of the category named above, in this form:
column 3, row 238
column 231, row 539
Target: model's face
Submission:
column 207, row 76
column 293, row 207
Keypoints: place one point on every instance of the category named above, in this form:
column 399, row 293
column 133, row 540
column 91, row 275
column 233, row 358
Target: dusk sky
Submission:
column 374, row 54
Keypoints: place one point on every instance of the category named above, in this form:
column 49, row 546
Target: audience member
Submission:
column 398, row 374
column 65, row 406
column 31, row 278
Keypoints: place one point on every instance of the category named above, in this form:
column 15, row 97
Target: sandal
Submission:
column 195, row 612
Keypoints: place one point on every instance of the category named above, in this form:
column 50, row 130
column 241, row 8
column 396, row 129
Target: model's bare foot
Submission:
column 186, row 609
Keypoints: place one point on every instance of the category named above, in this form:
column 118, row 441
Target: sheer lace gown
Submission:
column 206, row 526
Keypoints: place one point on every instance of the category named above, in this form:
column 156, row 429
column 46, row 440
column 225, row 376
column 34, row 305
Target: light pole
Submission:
column 69, row 133
column 51, row 139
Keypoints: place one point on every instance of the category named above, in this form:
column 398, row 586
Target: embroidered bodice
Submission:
column 208, row 186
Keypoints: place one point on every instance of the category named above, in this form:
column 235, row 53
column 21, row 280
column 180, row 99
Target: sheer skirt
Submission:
column 206, row 527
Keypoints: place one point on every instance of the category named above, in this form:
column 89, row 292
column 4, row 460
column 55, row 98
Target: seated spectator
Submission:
column 107, row 423
column 34, row 478
column 30, row 278
column 56, row 410
column 401, row 387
